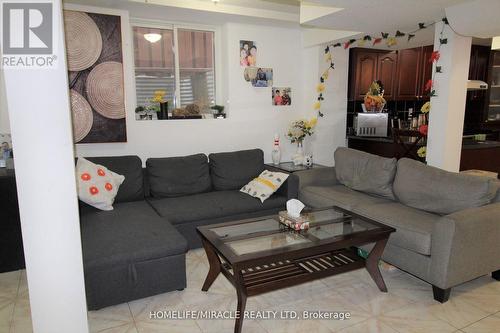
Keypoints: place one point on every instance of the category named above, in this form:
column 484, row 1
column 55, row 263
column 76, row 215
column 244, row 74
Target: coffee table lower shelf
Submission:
column 287, row 273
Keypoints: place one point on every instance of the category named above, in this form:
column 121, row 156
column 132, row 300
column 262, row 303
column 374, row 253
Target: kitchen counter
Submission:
column 480, row 144
column 367, row 138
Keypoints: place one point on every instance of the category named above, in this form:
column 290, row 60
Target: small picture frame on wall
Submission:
column 248, row 53
column 259, row 76
column 282, row 96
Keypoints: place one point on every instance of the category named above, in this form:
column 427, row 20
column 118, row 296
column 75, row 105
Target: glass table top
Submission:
column 267, row 234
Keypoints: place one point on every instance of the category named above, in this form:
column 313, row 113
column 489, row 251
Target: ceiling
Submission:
column 341, row 17
column 380, row 15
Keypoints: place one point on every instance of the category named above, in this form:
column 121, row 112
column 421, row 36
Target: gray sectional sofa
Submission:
column 448, row 224
column 138, row 249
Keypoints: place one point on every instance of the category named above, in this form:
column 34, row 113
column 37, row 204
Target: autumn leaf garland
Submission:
column 390, row 41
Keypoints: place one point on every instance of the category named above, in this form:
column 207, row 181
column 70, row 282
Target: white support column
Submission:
column 40, row 122
column 446, row 119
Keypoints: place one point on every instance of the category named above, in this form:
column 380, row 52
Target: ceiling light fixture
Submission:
column 152, row 37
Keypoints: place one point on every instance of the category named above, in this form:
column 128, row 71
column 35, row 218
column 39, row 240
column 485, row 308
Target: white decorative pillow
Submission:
column 97, row 186
column 265, row 185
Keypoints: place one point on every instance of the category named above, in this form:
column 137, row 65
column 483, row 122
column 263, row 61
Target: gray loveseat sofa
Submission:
column 448, row 225
column 138, row 249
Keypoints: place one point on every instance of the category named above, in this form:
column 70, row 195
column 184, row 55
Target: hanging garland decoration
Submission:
column 390, row 41
column 429, row 87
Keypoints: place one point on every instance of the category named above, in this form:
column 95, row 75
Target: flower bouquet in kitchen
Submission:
column 374, row 98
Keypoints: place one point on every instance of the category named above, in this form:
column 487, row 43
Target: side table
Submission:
column 291, row 168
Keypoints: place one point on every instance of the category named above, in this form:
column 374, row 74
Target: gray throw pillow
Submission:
column 178, row 176
column 438, row 191
column 365, row 172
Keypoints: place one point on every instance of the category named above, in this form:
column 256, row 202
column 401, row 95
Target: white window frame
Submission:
column 171, row 25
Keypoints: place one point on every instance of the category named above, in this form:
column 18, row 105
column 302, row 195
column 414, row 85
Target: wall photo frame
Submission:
column 281, row 96
column 248, row 53
column 259, row 77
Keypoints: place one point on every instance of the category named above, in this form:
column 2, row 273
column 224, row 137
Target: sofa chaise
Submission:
column 138, row 249
column 448, row 224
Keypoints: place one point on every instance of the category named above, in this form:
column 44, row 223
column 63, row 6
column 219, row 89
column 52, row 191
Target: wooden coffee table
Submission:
column 258, row 256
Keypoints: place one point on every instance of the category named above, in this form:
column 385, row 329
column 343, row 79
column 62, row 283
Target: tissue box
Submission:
column 295, row 223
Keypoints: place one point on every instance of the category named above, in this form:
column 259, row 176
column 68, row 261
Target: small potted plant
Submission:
column 218, row 111
column 159, row 97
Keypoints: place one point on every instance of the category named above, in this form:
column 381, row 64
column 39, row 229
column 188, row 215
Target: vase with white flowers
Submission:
column 297, row 132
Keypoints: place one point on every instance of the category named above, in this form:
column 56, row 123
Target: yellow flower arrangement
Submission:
column 317, row 106
column 158, row 96
column 320, row 87
column 426, row 107
column 422, row 152
column 299, row 129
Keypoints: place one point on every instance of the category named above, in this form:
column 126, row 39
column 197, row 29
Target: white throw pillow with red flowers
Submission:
column 97, row 186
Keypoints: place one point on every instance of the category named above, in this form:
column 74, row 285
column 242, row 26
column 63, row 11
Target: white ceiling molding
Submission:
column 310, row 12
column 316, row 36
column 475, row 19
column 226, row 8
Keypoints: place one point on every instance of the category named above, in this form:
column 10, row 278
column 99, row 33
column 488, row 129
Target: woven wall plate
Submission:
column 83, row 40
column 83, row 118
column 105, row 89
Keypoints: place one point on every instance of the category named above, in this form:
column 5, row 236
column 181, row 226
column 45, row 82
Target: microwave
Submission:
column 371, row 124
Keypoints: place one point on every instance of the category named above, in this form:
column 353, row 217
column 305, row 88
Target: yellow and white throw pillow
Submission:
column 97, row 186
column 265, row 185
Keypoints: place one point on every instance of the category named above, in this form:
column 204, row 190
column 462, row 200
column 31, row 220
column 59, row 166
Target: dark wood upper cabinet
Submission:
column 364, row 66
column 368, row 65
column 408, row 78
column 386, row 73
column 425, row 71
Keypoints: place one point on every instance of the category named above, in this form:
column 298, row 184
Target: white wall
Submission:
column 252, row 120
column 46, row 187
column 4, row 115
column 446, row 118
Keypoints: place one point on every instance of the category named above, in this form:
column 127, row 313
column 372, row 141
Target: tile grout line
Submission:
column 133, row 318
column 490, row 315
column 11, row 321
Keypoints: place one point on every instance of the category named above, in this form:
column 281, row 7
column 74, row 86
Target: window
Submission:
column 179, row 61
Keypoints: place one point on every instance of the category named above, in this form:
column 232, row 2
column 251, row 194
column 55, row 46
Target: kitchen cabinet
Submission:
column 403, row 73
column 425, row 71
column 407, row 83
column 386, row 72
column 363, row 71
column 493, row 97
column 368, row 65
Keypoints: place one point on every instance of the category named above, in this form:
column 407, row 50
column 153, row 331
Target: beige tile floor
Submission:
column 473, row 307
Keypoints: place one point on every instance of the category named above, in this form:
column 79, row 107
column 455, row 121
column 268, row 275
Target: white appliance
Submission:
column 476, row 85
column 371, row 124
